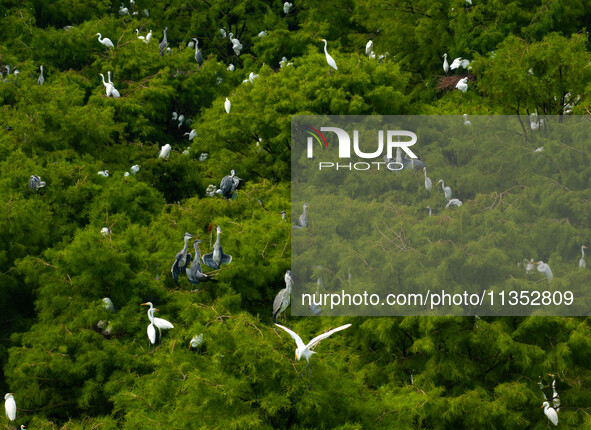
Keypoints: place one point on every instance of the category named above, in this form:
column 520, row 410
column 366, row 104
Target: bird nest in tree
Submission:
column 447, row 83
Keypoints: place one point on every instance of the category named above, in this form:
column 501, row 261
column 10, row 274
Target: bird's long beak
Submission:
column 96, row 34
column 156, row 309
column 295, row 357
column 144, row 304
column 541, row 406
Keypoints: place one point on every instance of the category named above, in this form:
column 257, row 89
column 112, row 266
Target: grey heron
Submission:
column 35, row 183
column 162, row 46
column 105, row 41
column 194, row 271
column 228, row 185
column 282, row 213
column 217, row 257
column 40, row 79
column 180, row 260
column 306, row 350
column 283, row 297
column 15, row 73
column 10, row 406
column 303, row 219
column 545, row 269
column 582, row 263
column 446, row 190
column 555, row 396
column 198, row 55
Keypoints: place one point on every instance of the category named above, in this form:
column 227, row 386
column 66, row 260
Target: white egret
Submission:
column 540, row 149
column 454, row 202
column 148, row 37
column 105, row 231
column 114, row 92
column 108, row 304
column 162, row 46
column 428, row 183
column 455, row 63
column 252, row 76
column 550, row 413
column 227, row 105
column 108, row 87
column 137, row 32
column 306, row 350
column 283, row 297
column 545, row 269
column 287, row 7
column 40, row 79
column 181, row 120
column 262, row 33
column 446, row 190
column 191, row 44
column 529, row 266
column 236, row 45
column 105, row 41
column 369, row 48
column 187, row 150
column 462, row 85
column 223, row 33
column 159, row 323
column 231, row 68
column 135, row 168
column 104, row 173
column 582, row 263
column 217, row 257
column 329, row 59
column 10, row 406
column 196, row 341
column 174, row 116
column 466, row 120
column 180, row 260
column 445, row 63
column 203, row 156
column 123, row 10
column 126, row 174
column 210, row 190
column 192, row 134
column 165, row 151
column 428, row 207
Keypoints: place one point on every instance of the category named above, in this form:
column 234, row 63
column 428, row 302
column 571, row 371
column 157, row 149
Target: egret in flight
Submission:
column 306, row 351
column 582, row 263
column 283, row 297
column 428, row 183
column 106, row 41
column 545, row 269
column 446, row 190
column 550, row 413
column 180, row 260
column 10, row 406
column 329, row 59
column 217, row 257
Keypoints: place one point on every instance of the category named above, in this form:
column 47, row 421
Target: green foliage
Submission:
column 72, row 364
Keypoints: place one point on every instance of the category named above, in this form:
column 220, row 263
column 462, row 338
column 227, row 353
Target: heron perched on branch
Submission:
column 194, row 271
column 283, row 297
column 217, row 257
column 180, row 260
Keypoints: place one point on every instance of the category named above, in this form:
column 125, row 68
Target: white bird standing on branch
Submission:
column 545, row 269
column 10, row 406
column 105, row 41
column 462, row 85
column 446, row 190
column 369, row 48
column 550, row 413
column 445, row 63
column 114, row 92
column 428, row 183
column 227, row 105
column 165, row 151
column 582, row 263
column 329, row 59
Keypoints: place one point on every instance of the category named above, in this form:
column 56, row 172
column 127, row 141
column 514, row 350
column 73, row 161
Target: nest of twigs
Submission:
column 447, row 83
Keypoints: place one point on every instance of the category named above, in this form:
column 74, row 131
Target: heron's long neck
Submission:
column 304, row 210
column 582, row 252
column 443, row 185
column 425, row 171
column 109, row 76
column 325, row 44
column 151, row 313
column 186, row 244
column 196, row 252
column 217, row 239
column 104, row 83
